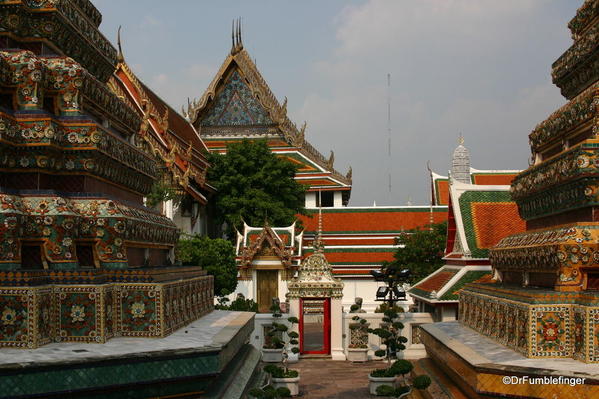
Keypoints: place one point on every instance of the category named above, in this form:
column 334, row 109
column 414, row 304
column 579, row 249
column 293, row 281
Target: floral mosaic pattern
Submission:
column 546, row 331
column 60, row 221
column 572, row 114
column 567, row 250
column 13, row 318
column 78, row 314
column 34, row 316
column 575, row 163
column 236, row 105
column 551, row 335
column 138, row 310
column 94, row 52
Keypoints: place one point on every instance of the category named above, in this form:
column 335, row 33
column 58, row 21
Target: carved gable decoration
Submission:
column 236, row 105
column 266, row 244
column 315, row 279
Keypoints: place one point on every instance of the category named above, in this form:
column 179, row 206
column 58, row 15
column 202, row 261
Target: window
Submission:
column 326, row 198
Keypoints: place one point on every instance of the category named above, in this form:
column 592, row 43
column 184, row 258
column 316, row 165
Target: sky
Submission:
column 476, row 67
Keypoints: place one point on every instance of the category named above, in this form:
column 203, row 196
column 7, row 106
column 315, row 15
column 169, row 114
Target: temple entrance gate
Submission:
column 315, row 299
column 315, row 326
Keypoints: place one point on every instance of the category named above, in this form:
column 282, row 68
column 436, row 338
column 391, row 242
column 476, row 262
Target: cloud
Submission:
column 470, row 66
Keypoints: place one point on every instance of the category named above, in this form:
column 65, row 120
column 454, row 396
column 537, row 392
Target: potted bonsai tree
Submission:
column 283, row 377
column 420, row 382
column 390, row 333
column 272, row 350
column 357, row 350
column 269, row 392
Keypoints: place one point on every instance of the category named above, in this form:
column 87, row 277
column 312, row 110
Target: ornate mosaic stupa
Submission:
column 81, row 258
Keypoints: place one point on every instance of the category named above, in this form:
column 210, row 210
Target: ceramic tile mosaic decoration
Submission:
column 83, row 260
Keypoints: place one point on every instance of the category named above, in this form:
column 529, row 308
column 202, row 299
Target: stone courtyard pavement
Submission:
column 327, row 379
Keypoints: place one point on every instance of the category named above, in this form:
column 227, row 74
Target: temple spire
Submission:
column 318, row 244
column 460, row 163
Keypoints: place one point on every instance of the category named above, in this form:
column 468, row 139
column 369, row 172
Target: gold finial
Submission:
column 461, row 139
column 119, row 57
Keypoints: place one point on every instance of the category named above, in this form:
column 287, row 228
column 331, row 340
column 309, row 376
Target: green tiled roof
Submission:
column 466, row 200
column 468, row 277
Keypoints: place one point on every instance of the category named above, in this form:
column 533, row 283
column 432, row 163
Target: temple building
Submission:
column 480, row 213
column 544, row 303
column 358, row 240
column 176, row 143
column 239, row 104
column 90, row 302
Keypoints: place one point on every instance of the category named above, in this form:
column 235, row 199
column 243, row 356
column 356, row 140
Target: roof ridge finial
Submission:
column 461, row 139
column 239, row 40
column 120, row 57
column 236, row 42
column 232, row 36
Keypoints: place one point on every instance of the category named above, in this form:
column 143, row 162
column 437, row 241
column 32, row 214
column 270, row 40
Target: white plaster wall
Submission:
column 413, row 350
column 310, row 200
column 337, row 199
column 448, row 313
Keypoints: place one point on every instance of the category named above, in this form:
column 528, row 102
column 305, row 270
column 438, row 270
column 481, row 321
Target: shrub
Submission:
column 422, row 382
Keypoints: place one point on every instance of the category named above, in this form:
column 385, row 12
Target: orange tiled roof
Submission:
column 348, row 220
column 493, row 179
column 442, row 192
column 434, row 282
column 494, row 221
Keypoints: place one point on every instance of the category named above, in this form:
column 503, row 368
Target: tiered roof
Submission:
column 238, row 104
column 165, row 132
column 359, row 239
column 479, row 217
column 440, row 183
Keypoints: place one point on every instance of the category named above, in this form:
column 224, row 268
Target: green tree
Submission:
column 253, row 184
column 216, row 256
column 421, row 251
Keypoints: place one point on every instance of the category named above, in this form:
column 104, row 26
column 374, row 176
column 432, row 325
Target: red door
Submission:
column 315, row 326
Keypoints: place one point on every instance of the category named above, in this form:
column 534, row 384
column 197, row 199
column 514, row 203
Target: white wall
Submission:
column 337, row 199
column 310, row 200
column 413, row 350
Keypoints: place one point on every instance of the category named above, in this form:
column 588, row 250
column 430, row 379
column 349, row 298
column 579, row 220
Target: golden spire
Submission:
column 318, row 244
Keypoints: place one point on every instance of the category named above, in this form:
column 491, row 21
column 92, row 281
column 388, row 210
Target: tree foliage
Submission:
column 421, row 251
column 216, row 256
column 256, row 185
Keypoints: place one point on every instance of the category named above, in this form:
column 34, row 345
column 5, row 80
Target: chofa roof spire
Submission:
column 120, row 57
column 236, row 41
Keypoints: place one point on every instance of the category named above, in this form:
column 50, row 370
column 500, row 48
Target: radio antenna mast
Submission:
column 390, row 164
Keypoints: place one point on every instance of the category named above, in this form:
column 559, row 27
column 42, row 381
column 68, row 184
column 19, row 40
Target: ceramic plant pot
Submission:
column 272, row 355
